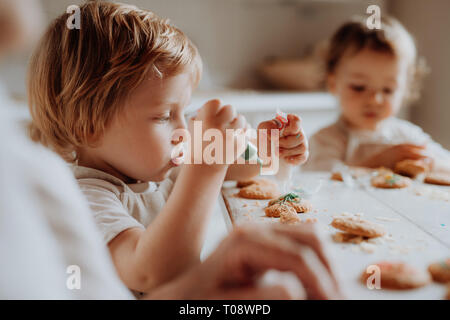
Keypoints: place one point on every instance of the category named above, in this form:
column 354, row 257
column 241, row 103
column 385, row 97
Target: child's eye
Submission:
column 357, row 88
column 387, row 90
column 164, row 118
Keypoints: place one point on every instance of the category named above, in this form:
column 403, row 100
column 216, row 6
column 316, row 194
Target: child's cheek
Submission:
column 159, row 143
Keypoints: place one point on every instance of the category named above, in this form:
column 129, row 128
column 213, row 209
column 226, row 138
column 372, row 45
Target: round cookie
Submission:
column 390, row 181
column 399, row 276
column 438, row 178
column 259, row 191
column 246, row 183
column 336, row 176
column 411, row 168
column 342, row 237
column 358, row 226
column 440, row 271
column 277, row 209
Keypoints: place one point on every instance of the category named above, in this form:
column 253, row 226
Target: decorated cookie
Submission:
column 440, row 271
column 293, row 200
column 275, row 211
column 398, row 275
column 288, row 216
column 411, row 168
column 358, row 226
column 390, row 181
column 438, row 178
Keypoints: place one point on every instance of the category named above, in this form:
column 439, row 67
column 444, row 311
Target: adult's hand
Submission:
column 233, row 270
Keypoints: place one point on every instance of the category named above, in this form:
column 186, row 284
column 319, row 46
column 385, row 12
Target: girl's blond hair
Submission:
column 391, row 38
column 78, row 78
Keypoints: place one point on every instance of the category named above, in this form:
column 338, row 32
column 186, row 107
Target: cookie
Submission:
column 276, row 210
column 358, row 226
column 390, row 181
column 440, row 271
column 261, row 181
column 398, row 275
column 259, row 192
column 343, row 237
column 336, row 176
column 356, row 172
column 411, row 168
column 288, row 215
column 448, row 292
column 293, row 200
column 439, row 178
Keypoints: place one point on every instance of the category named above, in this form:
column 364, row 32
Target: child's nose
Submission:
column 379, row 97
column 376, row 97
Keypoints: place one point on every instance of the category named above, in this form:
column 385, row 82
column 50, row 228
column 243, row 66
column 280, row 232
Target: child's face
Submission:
column 138, row 143
column 370, row 87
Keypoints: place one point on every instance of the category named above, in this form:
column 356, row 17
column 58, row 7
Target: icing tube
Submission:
column 285, row 170
column 251, row 153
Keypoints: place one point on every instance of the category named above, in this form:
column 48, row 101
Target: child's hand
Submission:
column 390, row 156
column 293, row 146
column 214, row 115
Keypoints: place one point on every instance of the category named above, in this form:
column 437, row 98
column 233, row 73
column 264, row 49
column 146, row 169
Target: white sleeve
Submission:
column 326, row 149
column 46, row 227
column 415, row 135
column 108, row 211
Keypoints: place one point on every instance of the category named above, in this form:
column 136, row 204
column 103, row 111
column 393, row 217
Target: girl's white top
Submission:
column 338, row 143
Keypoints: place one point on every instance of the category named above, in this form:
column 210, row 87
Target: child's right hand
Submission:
column 390, row 156
column 214, row 115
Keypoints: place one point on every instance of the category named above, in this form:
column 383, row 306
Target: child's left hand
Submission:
column 293, row 145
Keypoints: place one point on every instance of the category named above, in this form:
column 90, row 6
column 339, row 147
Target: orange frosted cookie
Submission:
column 439, row 178
column 390, row 181
column 261, row 192
column 411, row 168
column 440, row 271
column 258, row 189
column 398, row 276
column 358, row 226
column 260, row 181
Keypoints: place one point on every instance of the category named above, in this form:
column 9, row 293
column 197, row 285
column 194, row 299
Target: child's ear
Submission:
column 331, row 83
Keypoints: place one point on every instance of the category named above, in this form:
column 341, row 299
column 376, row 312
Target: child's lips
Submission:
column 177, row 161
column 370, row 114
column 177, row 157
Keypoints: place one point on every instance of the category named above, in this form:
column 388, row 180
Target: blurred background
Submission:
column 260, row 55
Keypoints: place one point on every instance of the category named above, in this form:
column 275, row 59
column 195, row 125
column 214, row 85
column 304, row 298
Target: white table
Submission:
column 418, row 228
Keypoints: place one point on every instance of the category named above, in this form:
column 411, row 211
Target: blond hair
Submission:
column 78, row 78
column 391, row 38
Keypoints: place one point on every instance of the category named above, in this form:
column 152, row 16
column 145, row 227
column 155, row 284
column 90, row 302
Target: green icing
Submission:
column 289, row 197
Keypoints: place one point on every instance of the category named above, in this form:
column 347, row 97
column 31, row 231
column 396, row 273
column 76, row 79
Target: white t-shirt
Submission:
column 338, row 143
column 118, row 206
column 46, row 226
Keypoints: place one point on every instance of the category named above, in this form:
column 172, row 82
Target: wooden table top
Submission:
column 417, row 220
